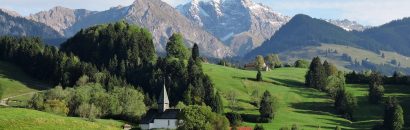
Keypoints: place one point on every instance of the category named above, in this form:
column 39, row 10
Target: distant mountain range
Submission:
column 240, row 24
column 302, row 31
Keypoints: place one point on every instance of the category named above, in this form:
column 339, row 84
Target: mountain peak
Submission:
column 10, row 12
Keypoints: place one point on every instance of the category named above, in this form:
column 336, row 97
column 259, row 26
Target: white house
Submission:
column 163, row 117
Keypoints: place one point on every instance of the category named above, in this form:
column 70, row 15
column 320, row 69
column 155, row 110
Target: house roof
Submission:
column 153, row 114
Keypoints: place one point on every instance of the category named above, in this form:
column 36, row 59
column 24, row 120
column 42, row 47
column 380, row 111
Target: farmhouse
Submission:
column 162, row 118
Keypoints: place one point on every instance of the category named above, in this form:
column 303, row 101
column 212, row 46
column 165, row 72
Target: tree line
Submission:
column 325, row 77
column 112, row 56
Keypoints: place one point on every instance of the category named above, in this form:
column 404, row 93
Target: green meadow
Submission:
column 308, row 108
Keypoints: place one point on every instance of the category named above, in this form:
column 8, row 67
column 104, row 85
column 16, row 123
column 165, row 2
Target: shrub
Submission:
column 56, row 106
column 258, row 127
column 235, row 119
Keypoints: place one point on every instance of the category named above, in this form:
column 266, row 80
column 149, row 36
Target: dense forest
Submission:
column 114, row 56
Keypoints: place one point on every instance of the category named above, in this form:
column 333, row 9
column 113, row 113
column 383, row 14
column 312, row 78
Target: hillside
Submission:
column 16, row 82
column 21, row 119
column 305, row 107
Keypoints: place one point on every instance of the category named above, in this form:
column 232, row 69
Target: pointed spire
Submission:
column 163, row 98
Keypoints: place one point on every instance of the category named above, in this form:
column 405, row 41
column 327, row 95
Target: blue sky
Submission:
column 368, row 12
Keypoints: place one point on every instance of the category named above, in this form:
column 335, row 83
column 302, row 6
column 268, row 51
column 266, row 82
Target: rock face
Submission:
column 240, row 24
column 160, row 18
column 10, row 24
column 61, row 18
column 348, row 25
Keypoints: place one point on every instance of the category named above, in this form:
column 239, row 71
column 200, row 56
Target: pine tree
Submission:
column 218, row 104
column 345, row 103
column 195, row 52
column 266, row 107
column 376, row 90
column 316, row 77
column 259, row 76
column 393, row 115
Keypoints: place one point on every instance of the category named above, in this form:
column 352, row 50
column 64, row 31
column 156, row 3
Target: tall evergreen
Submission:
column 345, row 103
column 176, row 47
column 376, row 90
column 195, row 52
column 393, row 115
column 316, row 76
column 217, row 105
column 266, row 109
column 259, row 76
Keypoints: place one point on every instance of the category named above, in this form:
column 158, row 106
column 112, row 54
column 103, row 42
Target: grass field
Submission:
column 26, row 119
column 306, row 107
column 16, row 82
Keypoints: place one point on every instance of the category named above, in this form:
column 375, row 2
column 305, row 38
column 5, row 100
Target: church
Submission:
column 162, row 118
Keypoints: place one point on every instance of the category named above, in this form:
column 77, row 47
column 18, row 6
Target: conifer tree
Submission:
column 376, row 90
column 266, row 107
column 259, row 76
column 176, row 48
column 195, row 52
column 217, row 105
column 393, row 115
column 316, row 77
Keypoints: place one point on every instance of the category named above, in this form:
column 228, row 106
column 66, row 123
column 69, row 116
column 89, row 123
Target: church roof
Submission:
column 163, row 97
column 153, row 114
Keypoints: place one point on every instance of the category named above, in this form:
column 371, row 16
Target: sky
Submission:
column 367, row 12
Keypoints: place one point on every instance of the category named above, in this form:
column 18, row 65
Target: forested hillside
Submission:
column 303, row 31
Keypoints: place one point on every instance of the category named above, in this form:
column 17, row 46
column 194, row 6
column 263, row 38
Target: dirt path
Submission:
column 3, row 102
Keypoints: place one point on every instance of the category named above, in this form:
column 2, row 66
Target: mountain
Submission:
column 394, row 36
column 61, row 18
column 160, row 18
column 240, row 24
column 12, row 24
column 348, row 25
column 306, row 37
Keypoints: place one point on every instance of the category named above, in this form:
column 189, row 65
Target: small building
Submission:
column 162, row 118
column 253, row 66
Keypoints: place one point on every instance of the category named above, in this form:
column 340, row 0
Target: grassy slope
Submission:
column 305, row 107
column 16, row 82
column 356, row 53
column 18, row 118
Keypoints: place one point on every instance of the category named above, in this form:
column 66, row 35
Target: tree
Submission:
column 330, row 69
column 218, row 104
column 56, row 106
column 301, row 64
column 234, row 118
column 255, row 97
column 176, row 47
column 376, row 90
column 201, row 118
column 345, row 103
column 393, row 115
column 259, row 62
column 258, row 127
column 259, row 76
column 232, row 98
column 89, row 111
column 266, row 108
column 334, row 83
column 316, row 76
column 195, row 52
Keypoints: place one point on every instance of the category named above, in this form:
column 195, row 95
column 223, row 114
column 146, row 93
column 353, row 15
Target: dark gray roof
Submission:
column 154, row 114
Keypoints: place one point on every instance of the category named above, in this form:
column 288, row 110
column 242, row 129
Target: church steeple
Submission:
column 163, row 101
